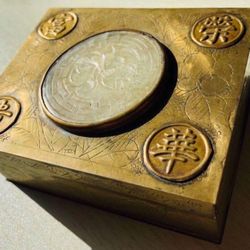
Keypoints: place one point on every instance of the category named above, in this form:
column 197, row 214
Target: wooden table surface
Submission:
column 33, row 220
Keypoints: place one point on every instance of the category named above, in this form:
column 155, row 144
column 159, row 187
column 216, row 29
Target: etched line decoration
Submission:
column 9, row 110
column 220, row 30
column 176, row 152
column 58, row 26
column 102, row 79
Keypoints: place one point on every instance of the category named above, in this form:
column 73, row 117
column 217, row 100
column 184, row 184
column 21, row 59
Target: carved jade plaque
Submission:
column 102, row 79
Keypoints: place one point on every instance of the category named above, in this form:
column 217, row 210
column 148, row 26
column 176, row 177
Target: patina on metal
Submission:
column 200, row 103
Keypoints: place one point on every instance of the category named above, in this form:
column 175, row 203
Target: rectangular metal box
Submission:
column 108, row 171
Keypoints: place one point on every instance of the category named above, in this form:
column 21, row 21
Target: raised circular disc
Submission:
column 10, row 109
column 58, row 26
column 218, row 31
column 102, row 79
column 176, row 152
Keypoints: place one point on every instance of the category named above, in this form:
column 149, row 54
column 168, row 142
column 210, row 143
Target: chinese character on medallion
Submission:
column 9, row 111
column 58, row 26
column 176, row 152
column 217, row 31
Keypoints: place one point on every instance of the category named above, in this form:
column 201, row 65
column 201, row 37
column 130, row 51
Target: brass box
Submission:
column 207, row 87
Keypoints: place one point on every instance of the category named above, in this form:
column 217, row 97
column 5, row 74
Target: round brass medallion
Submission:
column 102, row 80
column 219, row 30
column 9, row 111
column 58, row 26
column 176, row 152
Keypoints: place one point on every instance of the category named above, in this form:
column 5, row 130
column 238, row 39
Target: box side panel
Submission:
column 232, row 160
column 77, row 186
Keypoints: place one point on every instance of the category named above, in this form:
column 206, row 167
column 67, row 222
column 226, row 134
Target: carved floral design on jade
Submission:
column 176, row 152
column 102, row 79
column 9, row 111
column 217, row 31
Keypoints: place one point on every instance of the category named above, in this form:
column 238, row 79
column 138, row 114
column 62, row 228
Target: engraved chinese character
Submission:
column 216, row 28
column 175, row 146
column 58, row 26
column 9, row 110
column 217, row 31
column 176, row 152
column 4, row 109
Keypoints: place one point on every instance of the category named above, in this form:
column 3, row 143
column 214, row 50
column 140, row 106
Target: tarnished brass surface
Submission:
column 176, row 152
column 203, row 88
column 58, row 26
